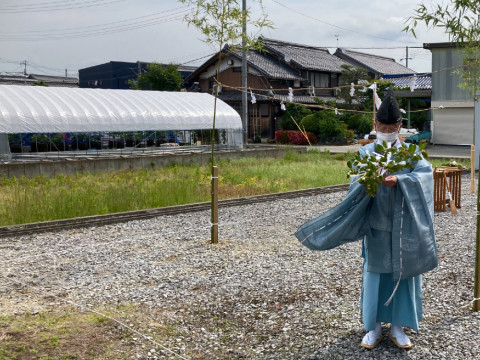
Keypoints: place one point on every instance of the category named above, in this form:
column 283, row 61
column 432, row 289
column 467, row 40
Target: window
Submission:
column 264, row 110
column 320, row 80
column 237, row 69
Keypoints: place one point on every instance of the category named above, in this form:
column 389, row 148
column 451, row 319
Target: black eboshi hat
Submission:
column 389, row 112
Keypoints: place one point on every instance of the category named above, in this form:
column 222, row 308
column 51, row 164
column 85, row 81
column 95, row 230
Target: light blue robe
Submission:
column 406, row 307
column 399, row 242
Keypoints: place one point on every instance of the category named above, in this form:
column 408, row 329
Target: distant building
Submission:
column 452, row 125
column 413, row 87
column 376, row 65
column 116, row 74
column 312, row 72
column 35, row 79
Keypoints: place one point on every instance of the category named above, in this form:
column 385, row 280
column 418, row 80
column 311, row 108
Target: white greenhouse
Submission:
column 38, row 109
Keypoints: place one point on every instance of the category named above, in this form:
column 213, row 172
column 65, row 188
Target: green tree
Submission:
column 351, row 74
column 295, row 111
column 417, row 119
column 39, row 83
column 222, row 22
column 158, row 77
column 360, row 123
column 324, row 124
column 311, row 123
column 461, row 21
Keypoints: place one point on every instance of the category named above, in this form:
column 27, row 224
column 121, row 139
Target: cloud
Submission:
column 360, row 23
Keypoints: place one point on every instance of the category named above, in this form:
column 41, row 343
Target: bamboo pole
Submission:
column 374, row 107
column 214, row 228
column 476, row 291
column 472, row 169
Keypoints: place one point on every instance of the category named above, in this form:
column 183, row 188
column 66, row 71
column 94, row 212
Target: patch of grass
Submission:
column 442, row 162
column 43, row 336
column 27, row 200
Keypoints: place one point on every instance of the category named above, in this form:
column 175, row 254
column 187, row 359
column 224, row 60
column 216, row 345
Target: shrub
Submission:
column 360, row 123
column 294, row 137
column 281, row 136
column 298, row 112
column 311, row 123
column 329, row 126
column 324, row 124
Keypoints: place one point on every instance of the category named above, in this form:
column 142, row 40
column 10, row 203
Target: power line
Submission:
column 10, row 61
column 16, row 9
column 37, row 4
column 336, row 26
column 96, row 32
column 101, row 25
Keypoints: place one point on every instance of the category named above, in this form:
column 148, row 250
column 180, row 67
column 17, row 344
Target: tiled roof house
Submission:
column 312, row 72
column 33, row 79
column 305, row 69
column 422, row 85
column 376, row 65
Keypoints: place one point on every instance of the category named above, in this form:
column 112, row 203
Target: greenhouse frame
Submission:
column 38, row 109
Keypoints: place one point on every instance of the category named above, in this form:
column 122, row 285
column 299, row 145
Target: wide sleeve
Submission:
column 414, row 222
column 344, row 223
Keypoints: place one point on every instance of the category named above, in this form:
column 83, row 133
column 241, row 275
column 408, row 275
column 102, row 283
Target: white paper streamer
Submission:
column 378, row 101
column 413, row 83
column 352, row 89
column 290, row 94
column 282, row 106
column 254, row 99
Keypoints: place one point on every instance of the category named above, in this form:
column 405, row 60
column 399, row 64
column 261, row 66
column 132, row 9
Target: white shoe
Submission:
column 399, row 338
column 373, row 337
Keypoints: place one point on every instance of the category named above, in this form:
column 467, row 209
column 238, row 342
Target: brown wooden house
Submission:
column 310, row 72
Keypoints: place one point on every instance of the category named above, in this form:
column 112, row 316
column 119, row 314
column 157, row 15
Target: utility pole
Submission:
column 244, row 75
column 408, row 100
column 406, row 56
column 66, row 73
column 25, row 71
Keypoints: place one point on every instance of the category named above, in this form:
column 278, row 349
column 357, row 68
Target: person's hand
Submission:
column 390, row 181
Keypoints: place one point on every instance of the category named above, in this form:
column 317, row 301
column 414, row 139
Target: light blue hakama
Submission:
column 399, row 241
column 405, row 309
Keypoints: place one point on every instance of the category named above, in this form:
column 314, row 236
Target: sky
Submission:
column 58, row 36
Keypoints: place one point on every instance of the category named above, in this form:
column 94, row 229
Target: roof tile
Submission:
column 379, row 64
column 306, row 57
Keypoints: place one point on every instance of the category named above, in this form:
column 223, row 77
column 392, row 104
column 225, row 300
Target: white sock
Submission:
column 372, row 335
column 398, row 333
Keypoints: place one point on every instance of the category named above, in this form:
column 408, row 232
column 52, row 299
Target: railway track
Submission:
column 97, row 220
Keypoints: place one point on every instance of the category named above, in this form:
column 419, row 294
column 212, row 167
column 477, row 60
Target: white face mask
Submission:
column 387, row 137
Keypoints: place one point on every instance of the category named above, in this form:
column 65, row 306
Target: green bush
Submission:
column 342, row 130
column 360, row 123
column 311, row 123
column 297, row 111
column 324, row 124
column 329, row 126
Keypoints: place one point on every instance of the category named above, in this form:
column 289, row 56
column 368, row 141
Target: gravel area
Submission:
column 258, row 294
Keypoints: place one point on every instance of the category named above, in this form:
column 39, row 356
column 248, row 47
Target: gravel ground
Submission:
column 258, row 294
